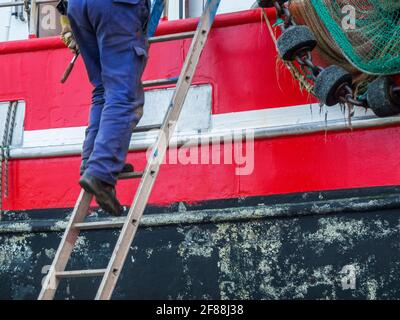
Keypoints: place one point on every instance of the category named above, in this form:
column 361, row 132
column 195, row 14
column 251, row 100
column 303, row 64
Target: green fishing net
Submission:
column 370, row 41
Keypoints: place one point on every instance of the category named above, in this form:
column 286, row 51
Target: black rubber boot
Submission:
column 105, row 194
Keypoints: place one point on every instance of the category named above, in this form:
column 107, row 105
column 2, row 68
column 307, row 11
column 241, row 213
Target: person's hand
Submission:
column 67, row 36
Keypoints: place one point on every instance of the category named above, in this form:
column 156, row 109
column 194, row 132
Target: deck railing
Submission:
column 32, row 8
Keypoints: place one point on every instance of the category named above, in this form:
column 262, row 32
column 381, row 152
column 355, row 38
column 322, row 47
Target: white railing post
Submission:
column 33, row 27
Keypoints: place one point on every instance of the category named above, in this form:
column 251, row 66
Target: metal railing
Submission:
column 32, row 9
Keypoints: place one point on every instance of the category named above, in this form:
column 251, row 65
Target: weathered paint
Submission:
column 275, row 257
column 182, row 213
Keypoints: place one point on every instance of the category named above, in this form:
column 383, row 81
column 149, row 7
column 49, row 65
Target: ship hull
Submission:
column 326, row 245
column 263, row 195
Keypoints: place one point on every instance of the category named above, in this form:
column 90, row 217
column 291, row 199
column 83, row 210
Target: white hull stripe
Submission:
column 264, row 123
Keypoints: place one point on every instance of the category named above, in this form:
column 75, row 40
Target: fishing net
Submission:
column 370, row 41
column 327, row 50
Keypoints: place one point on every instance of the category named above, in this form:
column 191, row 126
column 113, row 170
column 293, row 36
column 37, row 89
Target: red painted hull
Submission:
column 240, row 63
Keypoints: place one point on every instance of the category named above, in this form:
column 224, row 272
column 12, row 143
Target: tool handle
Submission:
column 71, row 65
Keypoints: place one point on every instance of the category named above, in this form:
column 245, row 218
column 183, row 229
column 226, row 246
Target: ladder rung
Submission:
column 174, row 36
column 99, row 225
column 160, row 82
column 130, row 175
column 80, row 273
column 146, row 128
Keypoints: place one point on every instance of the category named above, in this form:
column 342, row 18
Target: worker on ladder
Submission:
column 111, row 36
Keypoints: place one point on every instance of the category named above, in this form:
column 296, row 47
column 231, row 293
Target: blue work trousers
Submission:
column 112, row 39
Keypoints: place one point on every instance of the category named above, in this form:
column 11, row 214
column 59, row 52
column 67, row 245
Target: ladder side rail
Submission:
column 66, row 246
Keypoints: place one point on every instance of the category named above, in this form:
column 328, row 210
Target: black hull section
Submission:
column 326, row 245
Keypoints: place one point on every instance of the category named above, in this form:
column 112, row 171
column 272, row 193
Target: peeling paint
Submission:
column 60, row 225
column 21, row 227
column 149, row 252
column 336, row 231
column 372, row 286
column 15, row 253
column 196, row 243
column 260, row 211
column 50, row 253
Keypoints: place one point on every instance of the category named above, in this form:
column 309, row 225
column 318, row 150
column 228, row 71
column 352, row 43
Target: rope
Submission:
column 5, row 148
column 2, row 154
column 9, row 142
